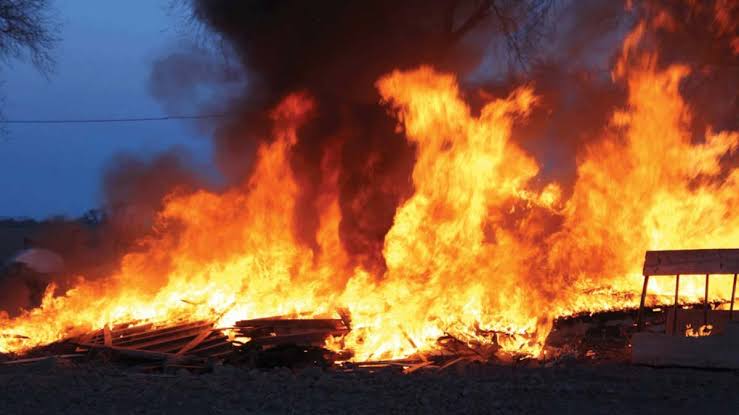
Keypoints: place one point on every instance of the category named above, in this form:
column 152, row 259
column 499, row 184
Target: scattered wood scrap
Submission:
column 451, row 352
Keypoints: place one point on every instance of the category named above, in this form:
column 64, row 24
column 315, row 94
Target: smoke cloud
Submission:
column 336, row 50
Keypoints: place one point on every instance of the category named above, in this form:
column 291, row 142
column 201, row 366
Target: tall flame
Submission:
column 473, row 250
column 644, row 186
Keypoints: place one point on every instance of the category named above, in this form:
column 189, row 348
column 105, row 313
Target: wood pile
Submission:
column 190, row 344
column 196, row 345
column 198, row 338
column 280, row 331
column 299, row 341
column 288, row 342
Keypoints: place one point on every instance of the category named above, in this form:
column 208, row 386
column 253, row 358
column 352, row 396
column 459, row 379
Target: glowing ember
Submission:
column 469, row 253
column 702, row 331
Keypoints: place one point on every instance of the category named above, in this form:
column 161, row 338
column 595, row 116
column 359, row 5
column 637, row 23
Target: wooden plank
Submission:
column 180, row 338
column 304, row 338
column 293, row 316
column 221, row 355
column 194, row 342
column 38, row 359
column 676, row 306
column 215, row 338
column 87, row 337
column 130, row 330
column 116, row 332
column 413, row 368
column 640, row 315
column 107, row 338
column 159, row 331
column 346, row 317
column 154, row 337
column 381, row 364
column 135, row 353
column 706, row 306
column 208, row 350
column 151, row 342
column 132, row 324
column 733, row 295
column 132, row 334
column 453, row 362
column 292, row 323
column 692, row 261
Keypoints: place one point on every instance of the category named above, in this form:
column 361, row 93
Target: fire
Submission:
column 448, row 255
column 702, row 331
column 471, row 252
column 644, row 186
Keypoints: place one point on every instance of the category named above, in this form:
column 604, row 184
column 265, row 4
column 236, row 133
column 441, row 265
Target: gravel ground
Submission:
column 59, row 387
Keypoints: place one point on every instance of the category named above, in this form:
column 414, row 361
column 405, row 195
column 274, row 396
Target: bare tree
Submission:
column 27, row 30
column 522, row 23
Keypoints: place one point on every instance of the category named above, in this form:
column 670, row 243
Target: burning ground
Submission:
column 380, row 185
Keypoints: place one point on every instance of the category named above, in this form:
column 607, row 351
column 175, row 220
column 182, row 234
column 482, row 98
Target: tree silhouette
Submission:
column 521, row 24
column 27, row 31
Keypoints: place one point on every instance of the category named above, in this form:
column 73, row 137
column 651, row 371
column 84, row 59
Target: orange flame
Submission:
column 468, row 253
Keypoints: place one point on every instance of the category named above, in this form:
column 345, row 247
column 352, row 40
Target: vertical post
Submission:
column 107, row 336
column 705, row 304
column 674, row 312
column 640, row 316
column 733, row 294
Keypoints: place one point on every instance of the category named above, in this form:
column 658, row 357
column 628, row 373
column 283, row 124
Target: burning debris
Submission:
column 258, row 343
column 191, row 345
column 279, row 331
column 172, row 344
column 295, row 343
column 285, row 342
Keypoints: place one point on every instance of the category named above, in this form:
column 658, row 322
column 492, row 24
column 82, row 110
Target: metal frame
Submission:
column 676, row 306
column 710, row 261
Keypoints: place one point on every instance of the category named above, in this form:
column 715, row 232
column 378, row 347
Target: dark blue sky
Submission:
column 102, row 70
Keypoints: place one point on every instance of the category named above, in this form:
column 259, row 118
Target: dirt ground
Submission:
column 54, row 386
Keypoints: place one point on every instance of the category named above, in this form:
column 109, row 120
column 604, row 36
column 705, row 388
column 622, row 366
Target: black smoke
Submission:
column 336, row 50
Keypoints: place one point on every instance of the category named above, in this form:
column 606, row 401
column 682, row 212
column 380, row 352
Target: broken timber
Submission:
column 272, row 342
column 171, row 342
column 692, row 261
column 279, row 331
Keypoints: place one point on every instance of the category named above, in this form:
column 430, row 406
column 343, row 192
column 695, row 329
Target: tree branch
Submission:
column 26, row 27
